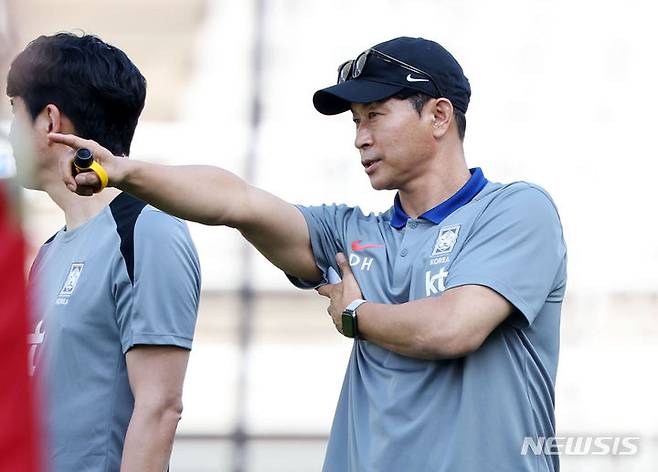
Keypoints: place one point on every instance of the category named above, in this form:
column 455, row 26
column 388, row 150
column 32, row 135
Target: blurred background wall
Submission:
column 564, row 95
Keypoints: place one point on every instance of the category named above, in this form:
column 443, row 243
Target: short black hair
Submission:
column 93, row 83
column 418, row 101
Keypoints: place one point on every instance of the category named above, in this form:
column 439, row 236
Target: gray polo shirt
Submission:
column 130, row 276
column 471, row 414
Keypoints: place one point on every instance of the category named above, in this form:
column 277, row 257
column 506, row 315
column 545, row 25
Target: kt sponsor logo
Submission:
column 435, row 283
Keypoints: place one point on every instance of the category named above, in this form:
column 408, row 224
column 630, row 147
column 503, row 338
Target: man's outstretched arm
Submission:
column 207, row 195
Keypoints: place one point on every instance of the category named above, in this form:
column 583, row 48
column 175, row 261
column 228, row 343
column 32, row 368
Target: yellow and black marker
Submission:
column 84, row 162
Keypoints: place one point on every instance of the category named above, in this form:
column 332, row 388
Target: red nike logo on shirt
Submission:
column 357, row 246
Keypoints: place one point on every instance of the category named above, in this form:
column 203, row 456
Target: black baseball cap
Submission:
column 381, row 78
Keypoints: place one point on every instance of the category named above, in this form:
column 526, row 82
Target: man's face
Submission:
column 396, row 144
column 27, row 144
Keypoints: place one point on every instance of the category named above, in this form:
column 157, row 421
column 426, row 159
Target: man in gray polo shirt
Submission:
column 453, row 295
column 117, row 289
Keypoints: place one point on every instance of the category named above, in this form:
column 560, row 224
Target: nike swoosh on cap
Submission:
column 414, row 79
column 357, row 246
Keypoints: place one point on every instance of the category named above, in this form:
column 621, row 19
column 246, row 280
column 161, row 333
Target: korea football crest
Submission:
column 70, row 283
column 446, row 240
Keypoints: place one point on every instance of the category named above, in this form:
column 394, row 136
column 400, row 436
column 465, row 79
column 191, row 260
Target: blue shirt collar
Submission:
column 437, row 214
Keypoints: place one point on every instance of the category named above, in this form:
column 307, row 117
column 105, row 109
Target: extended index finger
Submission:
column 70, row 140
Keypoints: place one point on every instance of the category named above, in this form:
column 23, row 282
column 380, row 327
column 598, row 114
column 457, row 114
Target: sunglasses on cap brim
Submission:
column 354, row 67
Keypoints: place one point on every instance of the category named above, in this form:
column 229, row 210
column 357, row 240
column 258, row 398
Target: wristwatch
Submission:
column 350, row 325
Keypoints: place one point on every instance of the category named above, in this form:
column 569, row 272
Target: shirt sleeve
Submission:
column 159, row 307
column 516, row 248
column 326, row 228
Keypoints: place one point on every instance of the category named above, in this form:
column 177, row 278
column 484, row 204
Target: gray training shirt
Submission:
column 127, row 277
column 470, row 414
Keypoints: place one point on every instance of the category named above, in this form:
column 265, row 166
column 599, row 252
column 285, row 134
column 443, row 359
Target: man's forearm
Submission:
column 204, row 194
column 430, row 328
column 149, row 440
column 414, row 329
column 453, row 325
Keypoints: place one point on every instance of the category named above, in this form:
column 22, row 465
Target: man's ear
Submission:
column 52, row 119
column 442, row 112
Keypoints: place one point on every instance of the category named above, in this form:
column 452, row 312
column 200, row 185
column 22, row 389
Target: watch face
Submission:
column 348, row 325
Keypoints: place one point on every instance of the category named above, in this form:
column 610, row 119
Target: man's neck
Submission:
column 77, row 209
column 447, row 175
